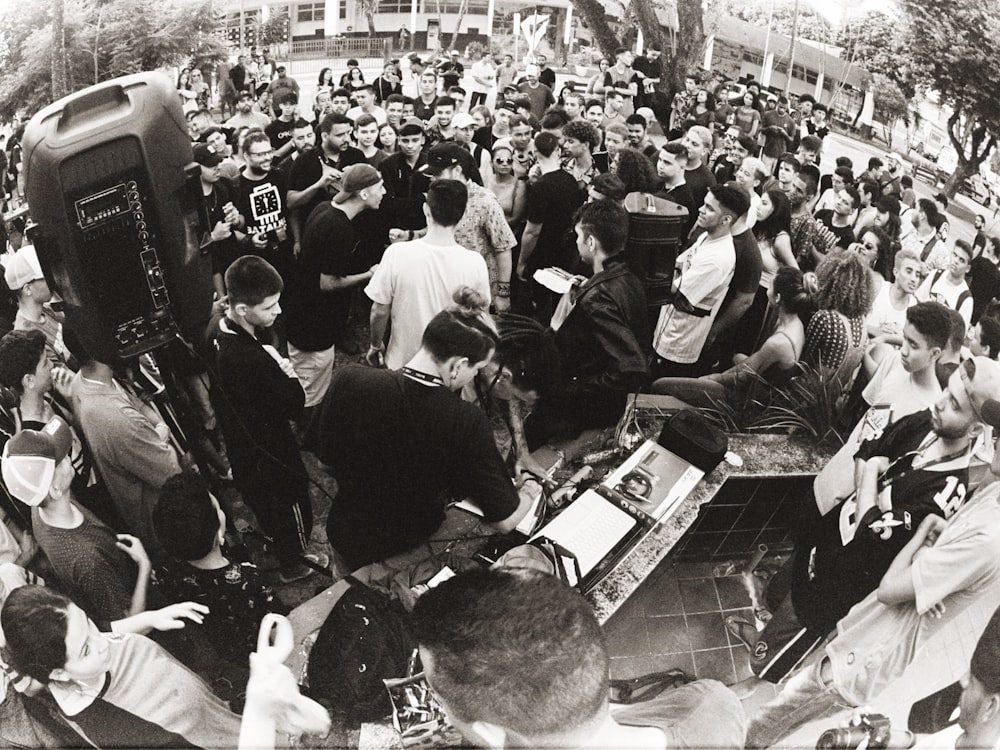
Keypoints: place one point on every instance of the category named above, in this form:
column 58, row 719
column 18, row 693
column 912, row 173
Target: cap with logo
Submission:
column 206, row 155
column 30, row 458
column 463, row 120
column 441, row 157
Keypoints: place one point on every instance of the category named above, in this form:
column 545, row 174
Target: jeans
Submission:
column 807, row 696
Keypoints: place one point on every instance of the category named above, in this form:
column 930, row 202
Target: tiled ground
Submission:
column 676, row 618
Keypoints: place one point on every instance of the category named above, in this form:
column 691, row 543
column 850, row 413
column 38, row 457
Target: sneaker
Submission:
column 299, row 571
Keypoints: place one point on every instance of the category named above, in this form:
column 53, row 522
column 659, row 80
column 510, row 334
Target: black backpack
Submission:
column 366, row 638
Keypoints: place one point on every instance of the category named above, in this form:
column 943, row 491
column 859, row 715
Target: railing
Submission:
column 333, row 47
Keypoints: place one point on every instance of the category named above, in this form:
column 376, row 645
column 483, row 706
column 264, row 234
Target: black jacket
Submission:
column 605, row 341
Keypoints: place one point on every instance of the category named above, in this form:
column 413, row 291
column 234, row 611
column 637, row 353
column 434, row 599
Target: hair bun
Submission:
column 468, row 302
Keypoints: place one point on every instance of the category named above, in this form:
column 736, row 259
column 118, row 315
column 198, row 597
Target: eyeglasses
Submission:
column 260, row 154
column 502, row 161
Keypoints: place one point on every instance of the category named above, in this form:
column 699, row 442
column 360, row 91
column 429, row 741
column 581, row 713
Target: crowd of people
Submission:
column 486, row 241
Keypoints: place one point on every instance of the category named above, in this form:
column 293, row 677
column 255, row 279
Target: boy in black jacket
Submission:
column 255, row 394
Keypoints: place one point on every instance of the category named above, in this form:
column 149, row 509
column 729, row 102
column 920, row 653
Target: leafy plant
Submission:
column 811, row 403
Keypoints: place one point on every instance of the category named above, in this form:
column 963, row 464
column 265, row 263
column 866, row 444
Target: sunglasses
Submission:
column 502, row 161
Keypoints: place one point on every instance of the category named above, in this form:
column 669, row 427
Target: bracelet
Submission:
column 503, row 289
column 379, row 348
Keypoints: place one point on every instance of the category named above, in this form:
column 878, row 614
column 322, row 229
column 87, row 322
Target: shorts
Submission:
column 314, row 370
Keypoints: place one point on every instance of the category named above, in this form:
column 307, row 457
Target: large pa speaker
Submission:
column 112, row 186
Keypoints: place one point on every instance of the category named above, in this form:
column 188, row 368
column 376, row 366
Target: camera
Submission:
column 871, row 731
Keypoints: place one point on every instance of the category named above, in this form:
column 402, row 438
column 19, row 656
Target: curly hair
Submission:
column 635, row 170
column 583, row 131
column 845, row 284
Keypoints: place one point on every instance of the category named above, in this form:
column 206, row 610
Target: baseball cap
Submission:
column 280, row 69
column 244, row 94
column 30, row 458
column 509, row 105
column 21, row 267
column 357, row 177
column 463, row 120
column 531, row 69
column 442, row 156
column 411, row 126
column 646, row 114
column 986, row 657
column 981, row 379
column 206, row 155
column 890, row 156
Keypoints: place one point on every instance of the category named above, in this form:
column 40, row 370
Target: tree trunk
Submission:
column 60, row 87
column 462, row 10
column 593, row 14
column 980, row 144
column 961, row 174
column 690, row 44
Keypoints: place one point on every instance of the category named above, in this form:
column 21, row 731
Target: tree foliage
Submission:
column 113, row 37
column 781, row 14
column 954, row 52
column 876, row 43
column 273, row 31
column 891, row 104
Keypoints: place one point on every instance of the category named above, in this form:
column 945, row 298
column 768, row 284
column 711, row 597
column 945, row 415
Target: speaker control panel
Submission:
column 119, row 229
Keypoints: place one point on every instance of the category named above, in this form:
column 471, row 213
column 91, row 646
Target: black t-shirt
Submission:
column 843, row 558
column 451, row 73
column 224, row 252
column 399, row 451
column 423, row 110
column 844, row 234
column 308, row 168
column 280, row 132
column 552, row 201
column 317, row 318
column 984, row 284
column 681, row 195
column 262, row 204
column 746, row 276
column 699, row 181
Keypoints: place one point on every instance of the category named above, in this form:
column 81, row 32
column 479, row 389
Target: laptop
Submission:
column 604, row 524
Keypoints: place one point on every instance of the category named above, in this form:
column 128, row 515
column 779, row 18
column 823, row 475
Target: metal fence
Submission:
column 341, row 47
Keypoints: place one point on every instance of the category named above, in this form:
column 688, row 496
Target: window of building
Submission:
column 475, row 7
column 343, row 9
column 306, row 12
column 395, row 6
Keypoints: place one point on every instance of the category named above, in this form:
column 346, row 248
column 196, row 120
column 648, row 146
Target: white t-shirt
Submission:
column 875, row 642
column 418, row 280
column 883, row 315
column 482, row 68
column 706, row 270
column 891, row 394
column 938, row 287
